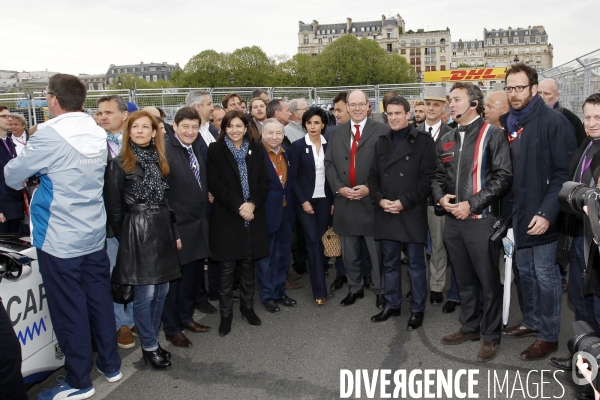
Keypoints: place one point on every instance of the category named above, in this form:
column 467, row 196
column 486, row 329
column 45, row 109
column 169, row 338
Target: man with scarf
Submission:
column 541, row 141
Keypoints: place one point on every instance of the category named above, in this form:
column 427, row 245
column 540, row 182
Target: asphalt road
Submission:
column 299, row 353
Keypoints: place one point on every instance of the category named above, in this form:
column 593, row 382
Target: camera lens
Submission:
column 574, row 195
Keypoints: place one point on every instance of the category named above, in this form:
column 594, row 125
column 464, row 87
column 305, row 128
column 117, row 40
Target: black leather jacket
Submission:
column 478, row 170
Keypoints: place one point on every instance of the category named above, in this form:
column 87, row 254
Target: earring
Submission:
column 152, row 140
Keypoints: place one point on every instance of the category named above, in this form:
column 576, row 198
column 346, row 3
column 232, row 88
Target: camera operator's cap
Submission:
column 131, row 107
column 435, row 93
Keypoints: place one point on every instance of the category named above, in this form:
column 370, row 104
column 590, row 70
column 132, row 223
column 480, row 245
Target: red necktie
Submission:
column 353, row 155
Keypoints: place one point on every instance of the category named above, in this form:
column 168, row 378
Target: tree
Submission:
column 206, row 69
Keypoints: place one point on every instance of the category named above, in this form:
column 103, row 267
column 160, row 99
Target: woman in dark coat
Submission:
column 134, row 192
column 313, row 198
column 239, row 181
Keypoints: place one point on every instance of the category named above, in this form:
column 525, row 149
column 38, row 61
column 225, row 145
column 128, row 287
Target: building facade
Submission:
column 426, row 50
column 468, row 54
column 93, row 82
column 314, row 37
column 151, row 72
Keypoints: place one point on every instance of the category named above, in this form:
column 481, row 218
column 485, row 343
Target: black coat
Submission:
column 187, row 200
column 402, row 174
column 11, row 201
column 147, row 240
column 202, row 146
column 227, row 229
column 305, row 173
column 444, row 128
column 580, row 134
column 547, row 143
column 274, row 202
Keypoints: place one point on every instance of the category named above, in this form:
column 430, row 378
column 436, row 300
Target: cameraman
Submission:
column 584, row 290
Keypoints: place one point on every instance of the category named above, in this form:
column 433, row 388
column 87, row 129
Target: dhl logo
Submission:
column 35, row 329
column 478, row 74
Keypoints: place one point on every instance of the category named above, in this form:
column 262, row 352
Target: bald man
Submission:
column 496, row 105
column 156, row 113
column 550, row 91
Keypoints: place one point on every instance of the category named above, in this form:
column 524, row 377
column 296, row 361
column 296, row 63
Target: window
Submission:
column 113, row 71
column 353, row 30
column 330, row 40
column 152, row 68
column 402, row 51
column 538, row 49
column 465, row 53
column 527, row 59
column 418, row 41
column 429, row 50
column 505, row 51
column 147, row 78
column 526, row 50
column 342, row 30
column 516, row 51
column 304, row 51
column 472, row 63
column 497, row 51
column 119, row 70
column 538, row 39
column 442, row 49
column 538, row 59
column 141, row 76
column 527, row 40
column 320, row 41
column 504, row 60
column 432, row 41
column 496, row 60
column 389, row 47
column 334, row 31
column 155, row 78
column 442, row 58
column 427, row 41
column 133, row 69
column 412, row 42
column 403, row 43
column 362, row 28
column 319, row 50
column 489, row 42
column 305, row 39
column 389, row 33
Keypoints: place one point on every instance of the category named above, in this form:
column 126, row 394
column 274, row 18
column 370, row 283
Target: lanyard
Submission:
column 279, row 173
column 585, row 164
column 513, row 135
column 7, row 148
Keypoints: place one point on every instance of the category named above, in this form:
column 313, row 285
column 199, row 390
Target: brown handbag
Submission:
column 331, row 243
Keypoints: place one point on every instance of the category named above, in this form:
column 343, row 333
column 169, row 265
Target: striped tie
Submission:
column 194, row 165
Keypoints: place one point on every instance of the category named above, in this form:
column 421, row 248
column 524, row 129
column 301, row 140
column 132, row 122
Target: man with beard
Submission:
column 258, row 111
column 541, row 142
column 419, row 111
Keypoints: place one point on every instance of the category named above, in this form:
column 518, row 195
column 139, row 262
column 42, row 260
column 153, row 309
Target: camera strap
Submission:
column 594, row 220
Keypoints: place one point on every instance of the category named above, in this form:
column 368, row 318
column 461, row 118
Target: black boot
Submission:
column 165, row 353
column 225, row 326
column 251, row 316
column 156, row 359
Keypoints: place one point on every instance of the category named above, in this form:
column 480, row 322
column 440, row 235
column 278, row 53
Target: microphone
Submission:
column 472, row 104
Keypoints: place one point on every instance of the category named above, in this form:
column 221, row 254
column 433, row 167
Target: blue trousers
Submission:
column 123, row 312
column 149, row 301
column 271, row 271
column 79, row 295
column 314, row 227
column 417, row 270
column 587, row 308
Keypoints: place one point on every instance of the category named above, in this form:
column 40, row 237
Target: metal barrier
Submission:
column 577, row 79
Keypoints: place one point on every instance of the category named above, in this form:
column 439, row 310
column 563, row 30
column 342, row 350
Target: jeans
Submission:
column 149, row 301
column 123, row 312
column 541, row 289
column 271, row 271
column 417, row 270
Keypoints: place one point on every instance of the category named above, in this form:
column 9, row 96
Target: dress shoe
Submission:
column 565, row 285
column 320, row 302
column 404, row 260
column 436, row 297
column 587, row 393
column 292, row 276
column 300, row 268
column 290, row 285
column 156, row 359
column 225, row 325
column 562, row 363
column 206, row 308
column 165, row 353
column 286, row 301
column 519, row 331
column 251, row 316
column 196, row 327
column 415, row 321
column 459, row 337
column 367, row 282
column 409, row 295
column 380, row 301
column 338, row 282
column 351, row 298
column 271, row 307
column 213, row 297
column 179, row 340
column 488, row 351
column 386, row 314
column 450, row 306
column 538, row 350
column 236, row 298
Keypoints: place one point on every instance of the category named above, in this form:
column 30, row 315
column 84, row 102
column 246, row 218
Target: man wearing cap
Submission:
column 435, row 106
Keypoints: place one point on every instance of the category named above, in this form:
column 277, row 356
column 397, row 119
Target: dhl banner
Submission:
column 476, row 74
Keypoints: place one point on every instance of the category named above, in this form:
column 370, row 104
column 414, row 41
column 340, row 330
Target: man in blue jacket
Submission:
column 541, row 143
column 69, row 154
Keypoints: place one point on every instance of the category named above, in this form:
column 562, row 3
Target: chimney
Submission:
column 382, row 20
column 315, row 25
column 300, row 24
column 348, row 24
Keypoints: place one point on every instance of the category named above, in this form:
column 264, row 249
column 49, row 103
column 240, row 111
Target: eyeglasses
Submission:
column 46, row 93
column 357, row 105
column 5, row 116
column 518, row 89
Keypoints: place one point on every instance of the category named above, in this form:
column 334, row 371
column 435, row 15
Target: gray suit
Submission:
column 354, row 218
column 439, row 258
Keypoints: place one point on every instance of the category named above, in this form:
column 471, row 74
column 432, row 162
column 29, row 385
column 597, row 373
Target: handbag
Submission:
column 332, row 243
column 122, row 293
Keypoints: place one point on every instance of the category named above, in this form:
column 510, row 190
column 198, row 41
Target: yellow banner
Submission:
column 476, row 74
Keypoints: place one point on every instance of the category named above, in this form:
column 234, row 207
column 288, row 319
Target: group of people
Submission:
column 123, row 202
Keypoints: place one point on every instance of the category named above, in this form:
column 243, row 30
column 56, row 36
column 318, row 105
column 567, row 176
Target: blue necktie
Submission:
column 194, row 166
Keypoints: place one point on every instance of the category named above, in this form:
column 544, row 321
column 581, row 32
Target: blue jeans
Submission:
column 148, row 307
column 541, row 289
column 417, row 270
column 271, row 271
column 123, row 313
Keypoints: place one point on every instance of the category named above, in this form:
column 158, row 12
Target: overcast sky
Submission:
column 86, row 37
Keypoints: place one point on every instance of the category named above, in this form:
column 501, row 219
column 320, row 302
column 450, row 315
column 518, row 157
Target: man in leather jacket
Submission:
column 473, row 172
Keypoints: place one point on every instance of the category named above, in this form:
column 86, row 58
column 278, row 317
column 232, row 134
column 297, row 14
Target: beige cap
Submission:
column 435, row 93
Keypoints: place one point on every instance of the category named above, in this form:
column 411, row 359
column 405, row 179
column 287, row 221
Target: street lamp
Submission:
column 516, row 59
column 339, row 78
column 232, row 80
column 119, row 83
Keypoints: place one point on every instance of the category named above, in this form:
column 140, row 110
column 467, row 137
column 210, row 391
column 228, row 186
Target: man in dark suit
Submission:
column 187, row 196
column 271, row 271
column 347, row 163
column 201, row 101
column 399, row 184
column 435, row 105
column 550, row 93
column 11, row 201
